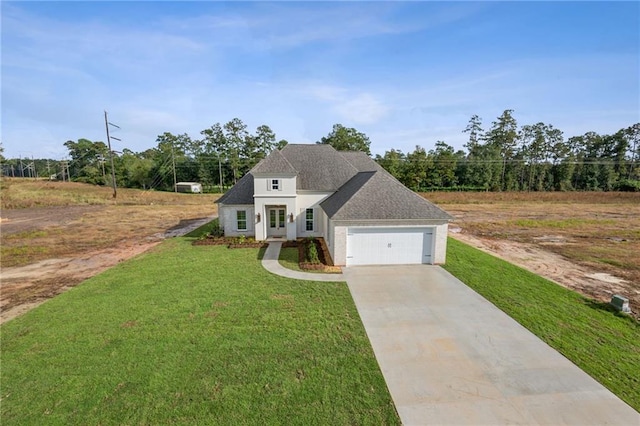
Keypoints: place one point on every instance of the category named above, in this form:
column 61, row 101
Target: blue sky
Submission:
column 404, row 73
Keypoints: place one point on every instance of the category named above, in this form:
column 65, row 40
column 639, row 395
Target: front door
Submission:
column 277, row 222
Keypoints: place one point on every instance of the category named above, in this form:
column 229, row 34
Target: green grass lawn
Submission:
column 289, row 258
column 193, row 335
column 604, row 344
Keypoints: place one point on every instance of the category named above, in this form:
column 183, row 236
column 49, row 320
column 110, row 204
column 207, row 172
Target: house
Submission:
column 365, row 215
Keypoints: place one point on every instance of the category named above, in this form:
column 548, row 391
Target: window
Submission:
column 309, row 219
column 241, row 219
column 275, row 184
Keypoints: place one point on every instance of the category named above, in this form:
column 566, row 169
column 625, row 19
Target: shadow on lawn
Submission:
column 604, row 306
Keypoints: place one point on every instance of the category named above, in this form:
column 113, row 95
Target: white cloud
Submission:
column 363, row 108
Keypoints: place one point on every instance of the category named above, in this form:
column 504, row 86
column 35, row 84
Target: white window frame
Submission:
column 275, row 185
column 308, row 221
column 238, row 220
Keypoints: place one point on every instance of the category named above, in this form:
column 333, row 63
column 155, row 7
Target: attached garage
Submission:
column 389, row 246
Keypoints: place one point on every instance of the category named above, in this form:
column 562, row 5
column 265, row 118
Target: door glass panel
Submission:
column 272, row 218
column 281, row 217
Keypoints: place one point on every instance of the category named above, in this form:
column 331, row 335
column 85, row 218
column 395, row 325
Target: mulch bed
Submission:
column 231, row 243
column 326, row 263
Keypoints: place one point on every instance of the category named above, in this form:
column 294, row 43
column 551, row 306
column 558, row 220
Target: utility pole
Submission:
column 173, row 161
column 220, row 171
column 113, row 170
column 48, row 170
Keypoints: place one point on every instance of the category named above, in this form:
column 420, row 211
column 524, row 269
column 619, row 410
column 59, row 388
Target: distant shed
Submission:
column 193, row 187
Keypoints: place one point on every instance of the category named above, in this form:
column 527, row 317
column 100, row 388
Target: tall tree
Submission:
column 444, row 165
column 418, row 165
column 215, row 143
column 394, row 162
column 633, row 135
column 236, row 135
column 503, row 135
column 474, row 128
column 264, row 141
column 347, row 139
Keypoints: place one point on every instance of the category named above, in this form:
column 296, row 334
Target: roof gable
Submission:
column 379, row 196
column 275, row 162
column 240, row 193
column 320, row 167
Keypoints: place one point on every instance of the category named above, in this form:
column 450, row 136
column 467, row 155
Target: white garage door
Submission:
column 389, row 246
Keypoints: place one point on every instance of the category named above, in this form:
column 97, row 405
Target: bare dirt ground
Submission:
column 78, row 231
column 589, row 242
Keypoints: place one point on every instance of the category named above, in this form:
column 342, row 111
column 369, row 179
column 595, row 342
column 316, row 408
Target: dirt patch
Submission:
column 25, row 220
column 589, row 242
column 26, row 286
column 552, row 266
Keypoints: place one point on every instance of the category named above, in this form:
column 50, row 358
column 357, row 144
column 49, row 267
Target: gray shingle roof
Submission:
column 240, row 193
column 364, row 190
column 361, row 161
column 379, row 196
column 274, row 163
column 320, row 167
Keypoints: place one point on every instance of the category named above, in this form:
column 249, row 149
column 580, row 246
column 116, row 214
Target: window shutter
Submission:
column 268, row 184
column 315, row 220
column 280, row 184
column 301, row 223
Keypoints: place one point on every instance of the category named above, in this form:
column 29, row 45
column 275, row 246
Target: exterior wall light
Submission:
column 290, row 217
column 258, row 218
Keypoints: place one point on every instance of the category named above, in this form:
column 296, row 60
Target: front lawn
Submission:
column 193, row 335
column 604, row 344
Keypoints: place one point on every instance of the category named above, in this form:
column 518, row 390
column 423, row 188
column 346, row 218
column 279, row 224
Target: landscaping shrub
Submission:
column 312, row 251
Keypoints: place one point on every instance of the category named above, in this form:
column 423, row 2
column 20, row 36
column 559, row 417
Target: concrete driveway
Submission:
column 450, row 357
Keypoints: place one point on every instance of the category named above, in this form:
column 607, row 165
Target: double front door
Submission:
column 277, row 222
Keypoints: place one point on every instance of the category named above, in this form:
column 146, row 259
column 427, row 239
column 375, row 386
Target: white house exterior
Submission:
column 364, row 214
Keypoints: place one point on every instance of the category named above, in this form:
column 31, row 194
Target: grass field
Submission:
column 58, row 219
column 603, row 343
column 193, row 335
column 29, row 193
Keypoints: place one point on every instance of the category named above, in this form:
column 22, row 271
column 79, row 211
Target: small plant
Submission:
column 312, row 251
column 216, row 230
column 242, row 239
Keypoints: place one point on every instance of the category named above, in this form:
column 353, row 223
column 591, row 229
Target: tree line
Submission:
column 533, row 157
column 506, row 157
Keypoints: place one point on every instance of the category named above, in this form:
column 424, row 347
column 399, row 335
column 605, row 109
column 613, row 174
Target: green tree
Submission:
column 444, row 165
column 262, row 143
column 88, row 161
column 418, row 165
column 394, row 162
column 503, row 136
column 347, row 139
column 236, row 135
column 170, row 155
column 633, row 135
column 215, row 145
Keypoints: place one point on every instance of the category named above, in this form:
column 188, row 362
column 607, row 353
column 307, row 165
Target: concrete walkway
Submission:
column 271, row 264
column 450, row 357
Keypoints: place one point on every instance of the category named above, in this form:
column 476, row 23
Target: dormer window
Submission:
column 275, row 184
